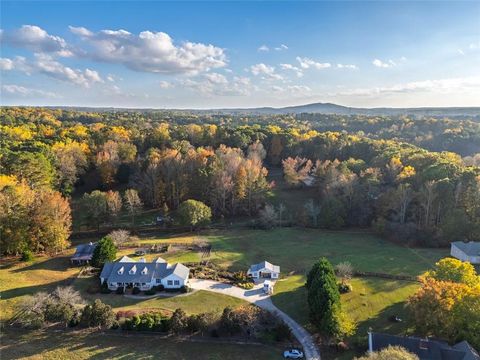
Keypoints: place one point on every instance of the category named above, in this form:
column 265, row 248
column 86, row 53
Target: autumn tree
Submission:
column 71, row 162
column 133, row 203
column 296, row 170
column 50, row 221
column 114, row 203
column 194, row 213
column 95, row 207
column 390, row 353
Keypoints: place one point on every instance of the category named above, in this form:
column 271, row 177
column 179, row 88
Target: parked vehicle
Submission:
column 293, row 354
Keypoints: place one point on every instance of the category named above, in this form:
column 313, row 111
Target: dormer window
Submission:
column 144, row 271
column 133, row 270
column 120, row 271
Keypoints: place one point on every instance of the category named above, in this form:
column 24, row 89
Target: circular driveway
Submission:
column 258, row 297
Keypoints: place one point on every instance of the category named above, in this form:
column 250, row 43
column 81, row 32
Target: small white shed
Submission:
column 264, row 270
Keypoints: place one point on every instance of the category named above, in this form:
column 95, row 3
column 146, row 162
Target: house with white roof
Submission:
column 127, row 272
column 466, row 251
column 264, row 270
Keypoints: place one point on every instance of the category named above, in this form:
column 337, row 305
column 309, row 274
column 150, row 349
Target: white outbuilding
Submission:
column 264, row 270
column 466, row 251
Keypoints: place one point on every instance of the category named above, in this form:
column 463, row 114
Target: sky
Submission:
column 148, row 54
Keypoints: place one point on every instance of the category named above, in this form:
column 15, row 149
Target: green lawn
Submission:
column 19, row 279
column 297, row 249
column 95, row 345
column 194, row 303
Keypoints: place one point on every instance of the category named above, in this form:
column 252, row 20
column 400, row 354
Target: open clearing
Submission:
column 77, row 345
column 371, row 303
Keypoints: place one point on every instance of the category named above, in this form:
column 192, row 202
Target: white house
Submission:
column 264, row 270
column 466, row 251
column 130, row 273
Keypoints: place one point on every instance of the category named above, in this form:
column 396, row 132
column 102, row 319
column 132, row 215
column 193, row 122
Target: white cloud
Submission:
column 216, row 78
column 306, row 63
column 6, row 64
column 347, row 66
column 281, row 47
column 297, row 70
column 24, row 92
column 81, row 31
column 47, row 65
column 165, row 84
column 149, row 51
column 292, row 90
column 208, row 85
column 263, row 48
column 442, row 86
column 36, row 39
column 267, row 72
column 382, row 64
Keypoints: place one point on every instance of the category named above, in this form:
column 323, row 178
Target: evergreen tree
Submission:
column 104, row 251
column 324, row 301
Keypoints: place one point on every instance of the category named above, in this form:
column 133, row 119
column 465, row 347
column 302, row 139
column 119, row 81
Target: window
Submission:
column 176, row 282
column 143, row 284
column 158, row 281
column 170, row 282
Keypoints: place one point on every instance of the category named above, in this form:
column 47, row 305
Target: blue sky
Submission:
column 240, row 54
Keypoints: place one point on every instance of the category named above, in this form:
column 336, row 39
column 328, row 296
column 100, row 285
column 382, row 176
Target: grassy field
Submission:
column 19, row 279
column 295, row 250
column 79, row 345
column 371, row 303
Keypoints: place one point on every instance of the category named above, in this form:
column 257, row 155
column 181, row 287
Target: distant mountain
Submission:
column 319, row 108
column 329, row 108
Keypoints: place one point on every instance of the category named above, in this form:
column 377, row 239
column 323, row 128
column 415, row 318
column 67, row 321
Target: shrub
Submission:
column 185, row 289
column 94, row 288
column 27, row 255
column 344, row 288
column 104, row 288
column 98, row 314
column 136, row 290
column 159, row 288
column 152, row 291
column 120, row 290
column 246, row 285
column 282, row 332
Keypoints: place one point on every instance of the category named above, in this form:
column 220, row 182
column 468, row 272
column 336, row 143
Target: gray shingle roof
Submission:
column 471, row 248
column 84, row 251
column 141, row 272
column 265, row 265
column 425, row 349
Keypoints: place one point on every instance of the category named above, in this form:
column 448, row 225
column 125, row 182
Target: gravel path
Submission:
column 258, row 297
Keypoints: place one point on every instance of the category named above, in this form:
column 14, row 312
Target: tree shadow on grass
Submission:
column 30, row 290
column 58, row 263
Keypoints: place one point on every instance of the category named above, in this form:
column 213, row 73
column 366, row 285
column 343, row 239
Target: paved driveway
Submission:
column 258, row 297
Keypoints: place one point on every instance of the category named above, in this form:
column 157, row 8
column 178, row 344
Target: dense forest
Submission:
column 405, row 178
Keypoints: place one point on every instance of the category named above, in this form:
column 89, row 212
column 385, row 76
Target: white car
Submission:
column 293, row 354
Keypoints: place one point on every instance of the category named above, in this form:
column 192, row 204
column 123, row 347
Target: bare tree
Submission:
column 344, row 270
column 268, row 217
column 120, row 236
column 313, row 211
